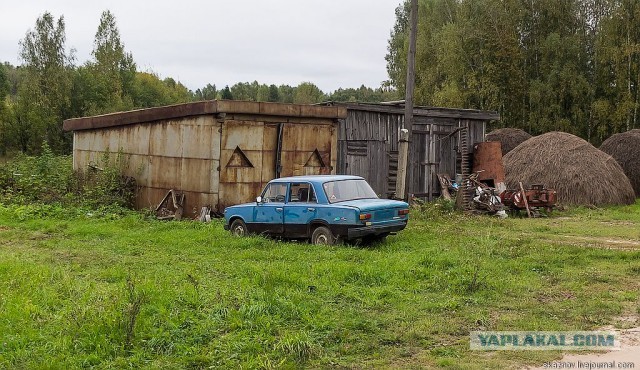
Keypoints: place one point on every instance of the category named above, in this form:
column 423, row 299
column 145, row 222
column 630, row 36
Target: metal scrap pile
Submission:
column 485, row 198
column 485, row 192
column 488, row 200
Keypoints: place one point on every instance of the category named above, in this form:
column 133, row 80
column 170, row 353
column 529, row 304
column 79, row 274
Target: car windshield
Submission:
column 343, row 190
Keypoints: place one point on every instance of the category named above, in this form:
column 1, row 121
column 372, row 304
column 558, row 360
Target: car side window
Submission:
column 301, row 193
column 275, row 193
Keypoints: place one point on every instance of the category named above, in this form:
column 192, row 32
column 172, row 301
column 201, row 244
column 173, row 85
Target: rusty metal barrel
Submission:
column 487, row 158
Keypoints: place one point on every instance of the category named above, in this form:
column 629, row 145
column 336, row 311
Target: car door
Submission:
column 269, row 218
column 299, row 210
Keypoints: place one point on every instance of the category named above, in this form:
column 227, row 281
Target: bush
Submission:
column 106, row 184
column 48, row 179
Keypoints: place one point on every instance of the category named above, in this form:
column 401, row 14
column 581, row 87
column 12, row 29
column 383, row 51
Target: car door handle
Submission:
column 279, row 209
column 310, row 209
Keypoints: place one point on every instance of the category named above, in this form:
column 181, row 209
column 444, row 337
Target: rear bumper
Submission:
column 359, row 232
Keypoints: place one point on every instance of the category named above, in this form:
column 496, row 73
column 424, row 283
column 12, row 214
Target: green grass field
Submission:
column 113, row 291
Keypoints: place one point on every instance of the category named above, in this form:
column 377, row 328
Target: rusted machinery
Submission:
column 535, row 198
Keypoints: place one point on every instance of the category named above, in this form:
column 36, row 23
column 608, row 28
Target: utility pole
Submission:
column 405, row 132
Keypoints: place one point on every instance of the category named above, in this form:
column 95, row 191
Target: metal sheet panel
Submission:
column 293, row 163
column 83, row 158
column 231, row 173
column 241, row 174
column 269, row 137
column 133, row 139
column 100, row 140
column 200, row 138
column 82, row 140
column 149, row 197
column 303, row 144
column 182, row 111
column 241, row 180
column 293, row 110
column 165, row 172
column 138, row 168
column 107, row 140
column 237, row 193
column 333, row 151
column 214, row 174
column 194, row 175
column 244, row 134
column 166, row 139
column 268, row 171
column 194, row 201
column 307, row 137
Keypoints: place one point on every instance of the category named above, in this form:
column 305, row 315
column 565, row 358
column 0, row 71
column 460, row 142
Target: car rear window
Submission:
column 343, row 190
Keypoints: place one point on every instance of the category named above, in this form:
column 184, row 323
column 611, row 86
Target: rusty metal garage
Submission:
column 218, row 153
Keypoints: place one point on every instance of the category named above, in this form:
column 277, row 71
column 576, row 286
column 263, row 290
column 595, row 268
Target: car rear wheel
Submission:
column 238, row 228
column 322, row 236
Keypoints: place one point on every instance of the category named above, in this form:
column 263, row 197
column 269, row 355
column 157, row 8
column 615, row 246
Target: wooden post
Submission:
column 403, row 152
column 524, row 198
column 403, row 147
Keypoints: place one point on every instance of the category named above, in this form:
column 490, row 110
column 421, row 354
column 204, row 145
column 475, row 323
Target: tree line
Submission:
column 544, row 65
column 49, row 87
column 568, row 65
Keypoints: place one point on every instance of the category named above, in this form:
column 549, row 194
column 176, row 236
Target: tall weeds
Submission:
column 49, row 179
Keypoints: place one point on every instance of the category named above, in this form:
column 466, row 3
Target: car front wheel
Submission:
column 322, row 236
column 238, row 228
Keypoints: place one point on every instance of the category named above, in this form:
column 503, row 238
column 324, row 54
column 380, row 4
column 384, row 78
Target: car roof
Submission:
column 317, row 178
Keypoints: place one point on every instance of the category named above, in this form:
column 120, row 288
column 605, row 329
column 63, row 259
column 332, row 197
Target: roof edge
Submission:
column 203, row 108
column 397, row 107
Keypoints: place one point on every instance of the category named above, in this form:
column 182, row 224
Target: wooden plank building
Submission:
column 368, row 144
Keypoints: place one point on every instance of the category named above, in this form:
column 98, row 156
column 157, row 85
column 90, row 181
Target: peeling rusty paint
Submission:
column 195, row 153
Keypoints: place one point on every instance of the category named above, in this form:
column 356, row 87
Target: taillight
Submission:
column 365, row 216
column 403, row 212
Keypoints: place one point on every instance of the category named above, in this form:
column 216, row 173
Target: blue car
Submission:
column 322, row 208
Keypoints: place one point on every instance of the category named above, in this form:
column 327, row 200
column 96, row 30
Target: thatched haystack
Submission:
column 625, row 149
column 580, row 173
column 509, row 138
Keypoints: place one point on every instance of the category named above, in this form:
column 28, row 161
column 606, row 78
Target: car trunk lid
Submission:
column 379, row 209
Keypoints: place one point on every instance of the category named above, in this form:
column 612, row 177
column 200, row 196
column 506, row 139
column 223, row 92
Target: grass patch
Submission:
column 84, row 289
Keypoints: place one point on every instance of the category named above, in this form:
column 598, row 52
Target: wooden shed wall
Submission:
column 368, row 147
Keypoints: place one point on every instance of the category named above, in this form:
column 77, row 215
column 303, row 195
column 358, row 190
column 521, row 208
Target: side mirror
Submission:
column 259, row 200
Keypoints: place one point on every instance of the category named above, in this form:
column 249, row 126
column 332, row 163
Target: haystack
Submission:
column 509, row 138
column 625, row 149
column 580, row 173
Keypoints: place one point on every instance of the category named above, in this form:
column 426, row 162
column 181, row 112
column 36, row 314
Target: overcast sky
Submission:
column 332, row 43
